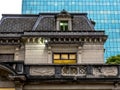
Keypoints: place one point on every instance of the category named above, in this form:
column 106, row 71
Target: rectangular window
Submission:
column 56, row 56
column 64, row 58
column 72, row 56
column 6, row 57
column 64, row 25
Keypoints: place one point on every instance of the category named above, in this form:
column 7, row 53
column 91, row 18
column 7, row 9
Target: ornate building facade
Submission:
column 106, row 14
column 54, row 51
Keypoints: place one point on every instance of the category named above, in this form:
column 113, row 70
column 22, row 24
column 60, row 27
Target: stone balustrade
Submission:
column 74, row 72
column 83, row 71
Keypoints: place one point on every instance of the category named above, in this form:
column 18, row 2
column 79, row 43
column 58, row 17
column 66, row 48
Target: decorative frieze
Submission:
column 105, row 71
column 77, row 72
column 74, row 71
column 42, row 71
column 75, row 40
column 34, row 40
column 102, row 71
column 11, row 41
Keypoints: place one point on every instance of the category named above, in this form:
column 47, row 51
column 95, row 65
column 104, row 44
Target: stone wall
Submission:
column 41, row 54
column 64, row 48
column 36, row 54
column 93, row 53
column 17, row 51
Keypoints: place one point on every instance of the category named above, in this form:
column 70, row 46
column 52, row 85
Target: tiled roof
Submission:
column 17, row 24
column 81, row 23
column 43, row 22
column 46, row 24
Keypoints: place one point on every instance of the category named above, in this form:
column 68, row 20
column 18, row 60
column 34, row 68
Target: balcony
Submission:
column 81, row 72
column 75, row 72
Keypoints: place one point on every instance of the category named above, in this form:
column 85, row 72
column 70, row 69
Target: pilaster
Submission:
column 79, row 55
column 16, row 58
column 49, row 55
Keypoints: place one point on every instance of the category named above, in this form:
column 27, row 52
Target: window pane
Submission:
column 63, row 25
column 64, row 56
column 66, row 27
column 72, row 56
column 61, row 28
column 56, row 56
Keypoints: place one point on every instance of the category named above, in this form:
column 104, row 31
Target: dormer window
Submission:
column 64, row 21
column 64, row 25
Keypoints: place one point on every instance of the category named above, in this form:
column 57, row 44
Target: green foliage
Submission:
column 113, row 60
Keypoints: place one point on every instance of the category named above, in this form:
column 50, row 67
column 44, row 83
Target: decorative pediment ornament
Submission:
column 63, row 14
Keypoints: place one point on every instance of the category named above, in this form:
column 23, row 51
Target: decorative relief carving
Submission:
column 105, row 71
column 110, row 71
column 42, row 71
column 65, row 70
column 69, row 70
column 74, row 70
column 82, row 70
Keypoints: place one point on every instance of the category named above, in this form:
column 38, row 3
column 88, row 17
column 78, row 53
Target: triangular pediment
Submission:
column 63, row 14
